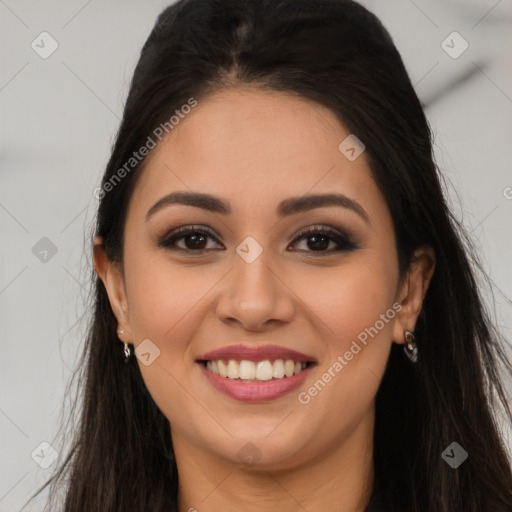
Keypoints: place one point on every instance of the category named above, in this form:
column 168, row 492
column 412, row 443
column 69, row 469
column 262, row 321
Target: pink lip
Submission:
column 270, row 352
column 255, row 391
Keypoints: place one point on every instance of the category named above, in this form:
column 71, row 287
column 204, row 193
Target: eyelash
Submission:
column 343, row 241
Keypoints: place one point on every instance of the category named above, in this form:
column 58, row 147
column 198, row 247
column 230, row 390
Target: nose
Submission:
column 256, row 295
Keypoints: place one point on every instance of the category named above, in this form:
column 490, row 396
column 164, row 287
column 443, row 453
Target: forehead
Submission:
column 255, row 147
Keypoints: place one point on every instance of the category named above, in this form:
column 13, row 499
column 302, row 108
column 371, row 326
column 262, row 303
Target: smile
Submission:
column 252, row 373
column 256, row 371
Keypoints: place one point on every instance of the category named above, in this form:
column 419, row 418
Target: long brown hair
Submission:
column 338, row 54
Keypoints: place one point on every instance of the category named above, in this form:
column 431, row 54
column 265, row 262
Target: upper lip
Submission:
column 261, row 353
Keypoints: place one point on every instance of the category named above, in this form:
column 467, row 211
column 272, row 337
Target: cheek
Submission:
column 167, row 305
column 352, row 297
column 164, row 297
column 356, row 306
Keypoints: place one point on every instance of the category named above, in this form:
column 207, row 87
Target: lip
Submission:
column 255, row 354
column 255, row 391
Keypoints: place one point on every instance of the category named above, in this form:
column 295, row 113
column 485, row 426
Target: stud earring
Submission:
column 410, row 347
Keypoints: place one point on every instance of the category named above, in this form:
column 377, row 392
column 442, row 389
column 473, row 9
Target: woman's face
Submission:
column 250, row 281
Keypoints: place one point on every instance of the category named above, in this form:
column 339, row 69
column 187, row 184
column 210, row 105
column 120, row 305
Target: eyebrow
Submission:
column 286, row 207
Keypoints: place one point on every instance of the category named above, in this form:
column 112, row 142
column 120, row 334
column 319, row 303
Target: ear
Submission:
column 413, row 291
column 112, row 278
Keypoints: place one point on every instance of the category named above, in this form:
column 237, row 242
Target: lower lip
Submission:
column 255, row 391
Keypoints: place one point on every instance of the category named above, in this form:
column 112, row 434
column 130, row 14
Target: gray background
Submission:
column 58, row 119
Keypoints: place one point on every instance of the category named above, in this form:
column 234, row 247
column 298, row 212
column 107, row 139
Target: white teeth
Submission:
column 247, row 370
column 223, row 369
column 289, row 367
column 264, row 370
column 233, row 369
column 261, row 370
column 278, row 369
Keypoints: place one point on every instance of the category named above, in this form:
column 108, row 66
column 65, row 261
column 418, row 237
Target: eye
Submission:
column 320, row 239
column 317, row 239
column 194, row 239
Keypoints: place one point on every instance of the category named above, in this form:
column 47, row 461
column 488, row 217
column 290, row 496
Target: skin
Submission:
column 254, row 148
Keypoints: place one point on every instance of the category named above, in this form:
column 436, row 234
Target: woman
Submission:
column 286, row 314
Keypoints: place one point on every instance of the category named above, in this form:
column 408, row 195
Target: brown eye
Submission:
column 189, row 239
column 318, row 242
column 319, row 239
column 196, row 241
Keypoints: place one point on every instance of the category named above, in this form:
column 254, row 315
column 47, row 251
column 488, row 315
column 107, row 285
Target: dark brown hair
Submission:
column 338, row 54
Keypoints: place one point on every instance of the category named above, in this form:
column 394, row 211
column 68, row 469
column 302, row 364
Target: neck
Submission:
column 339, row 478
